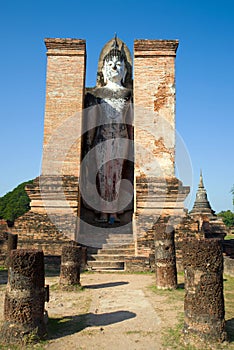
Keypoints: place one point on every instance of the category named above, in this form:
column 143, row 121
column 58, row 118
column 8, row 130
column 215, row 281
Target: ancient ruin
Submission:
column 12, row 241
column 107, row 197
column 25, row 298
column 204, row 301
column 8, row 241
column 70, row 265
column 165, row 257
column 63, row 198
column 210, row 224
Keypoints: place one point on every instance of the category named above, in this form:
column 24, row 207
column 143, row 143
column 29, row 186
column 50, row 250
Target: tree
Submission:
column 232, row 192
column 228, row 217
column 15, row 203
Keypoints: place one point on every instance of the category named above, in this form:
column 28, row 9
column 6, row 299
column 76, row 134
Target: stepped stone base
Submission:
column 39, row 232
column 54, row 194
column 52, row 219
column 112, row 254
column 157, row 198
column 48, row 225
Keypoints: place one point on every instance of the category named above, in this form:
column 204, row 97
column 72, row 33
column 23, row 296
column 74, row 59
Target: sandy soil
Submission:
column 113, row 311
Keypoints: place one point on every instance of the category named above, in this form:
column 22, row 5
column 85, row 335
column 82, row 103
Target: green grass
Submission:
column 71, row 288
column 62, row 326
column 229, row 307
column 172, row 295
column 229, row 237
column 3, row 268
column 173, row 337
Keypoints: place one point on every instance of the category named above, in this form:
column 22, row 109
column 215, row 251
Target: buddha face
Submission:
column 114, row 70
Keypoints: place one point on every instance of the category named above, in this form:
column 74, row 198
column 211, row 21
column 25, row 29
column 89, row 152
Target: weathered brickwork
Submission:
column 204, row 300
column 156, row 198
column 154, row 106
column 165, row 257
column 24, row 298
column 71, row 260
column 38, row 231
column 54, row 194
column 65, row 85
column 157, row 191
column 3, row 226
column 3, row 247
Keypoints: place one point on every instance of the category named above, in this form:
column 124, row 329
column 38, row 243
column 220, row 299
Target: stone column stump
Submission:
column 24, row 298
column 12, row 241
column 84, row 259
column 204, row 301
column 165, row 257
column 70, row 265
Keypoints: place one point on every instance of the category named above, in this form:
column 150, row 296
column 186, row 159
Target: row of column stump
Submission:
column 26, row 293
column 203, row 282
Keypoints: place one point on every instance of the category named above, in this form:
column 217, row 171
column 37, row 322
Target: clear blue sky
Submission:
column 204, row 77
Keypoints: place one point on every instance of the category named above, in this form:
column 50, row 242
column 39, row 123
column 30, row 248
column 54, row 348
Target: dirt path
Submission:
column 115, row 311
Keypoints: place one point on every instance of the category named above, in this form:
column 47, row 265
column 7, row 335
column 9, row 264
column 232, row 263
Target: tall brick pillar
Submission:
column 154, row 102
column 65, row 85
column 55, row 193
column 157, row 191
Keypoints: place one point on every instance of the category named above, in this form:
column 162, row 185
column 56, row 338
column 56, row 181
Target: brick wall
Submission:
column 154, row 106
column 65, row 84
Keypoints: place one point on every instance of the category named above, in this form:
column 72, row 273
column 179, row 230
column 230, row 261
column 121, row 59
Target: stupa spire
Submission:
column 201, row 205
column 201, row 184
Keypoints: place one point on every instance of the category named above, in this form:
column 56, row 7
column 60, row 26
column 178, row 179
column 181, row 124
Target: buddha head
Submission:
column 115, row 64
column 114, row 68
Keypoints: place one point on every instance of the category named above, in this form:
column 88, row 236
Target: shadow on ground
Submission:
column 67, row 325
column 3, row 276
column 105, row 285
column 230, row 329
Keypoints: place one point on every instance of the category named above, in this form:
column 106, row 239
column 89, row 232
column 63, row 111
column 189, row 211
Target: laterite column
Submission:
column 165, row 258
column 70, row 265
column 12, row 241
column 24, row 298
column 204, row 301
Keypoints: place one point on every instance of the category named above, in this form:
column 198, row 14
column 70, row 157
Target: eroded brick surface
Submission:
column 165, row 257
column 71, row 260
column 154, row 105
column 25, row 297
column 204, row 301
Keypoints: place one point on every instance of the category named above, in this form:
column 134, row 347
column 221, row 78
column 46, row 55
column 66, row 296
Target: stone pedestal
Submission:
column 204, row 301
column 24, row 298
column 52, row 219
column 155, row 198
column 165, row 257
